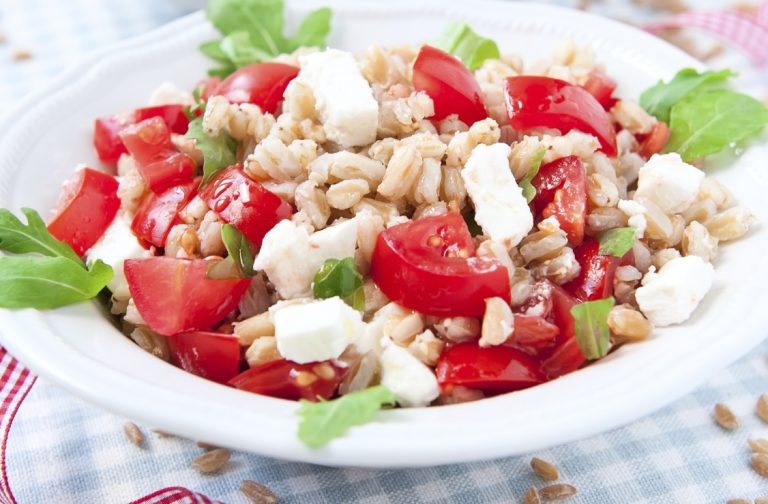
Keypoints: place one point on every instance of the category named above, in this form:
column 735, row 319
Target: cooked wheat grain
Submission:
column 558, row 491
column 133, row 433
column 212, row 461
column 257, row 493
column 544, row 470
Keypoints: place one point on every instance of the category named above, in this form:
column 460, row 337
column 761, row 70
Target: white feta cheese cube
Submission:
column 671, row 295
column 343, row 98
column 316, row 331
column 117, row 244
column 411, row 382
column 500, row 207
column 669, row 182
column 291, row 257
column 168, row 93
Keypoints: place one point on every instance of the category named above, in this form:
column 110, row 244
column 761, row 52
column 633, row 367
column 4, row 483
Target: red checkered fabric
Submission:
column 15, row 383
column 750, row 33
column 174, row 495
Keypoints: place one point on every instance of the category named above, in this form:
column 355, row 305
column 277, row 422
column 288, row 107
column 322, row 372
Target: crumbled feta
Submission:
column 669, row 182
column 411, row 382
column 671, row 295
column 636, row 216
column 117, row 244
column 343, row 98
column 500, row 207
column 290, row 256
column 316, row 331
column 168, row 93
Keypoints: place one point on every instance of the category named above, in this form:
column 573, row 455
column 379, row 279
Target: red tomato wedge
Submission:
column 106, row 131
column 87, row 206
column 159, row 163
column 543, row 102
column 561, row 192
column 428, row 265
column 601, row 87
column 213, row 356
column 533, row 334
column 495, row 369
column 244, row 203
column 566, row 356
column 655, row 141
column 450, row 84
column 174, row 296
column 595, row 280
column 262, row 84
column 288, row 380
column 158, row 212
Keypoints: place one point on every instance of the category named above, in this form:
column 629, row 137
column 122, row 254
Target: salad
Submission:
column 406, row 226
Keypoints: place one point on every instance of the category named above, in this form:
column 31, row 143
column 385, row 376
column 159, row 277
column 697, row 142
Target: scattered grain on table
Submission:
column 133, row 433
column 739, row 501
column 206, row 446
column 760, row 464
column 544, row 470
column 21, row 55
column 257, row 493
column 2, row 38
column 725, row 417
column 212, row 461
column 762, row 407
column 759, row 445
column 532, row 496
column 559, row 491
column 162, row 434
column 761, row 500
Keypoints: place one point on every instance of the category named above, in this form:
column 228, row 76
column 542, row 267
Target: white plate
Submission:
column 78, row 349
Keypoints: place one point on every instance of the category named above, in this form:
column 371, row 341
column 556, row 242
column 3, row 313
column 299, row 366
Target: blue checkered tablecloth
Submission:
column 62, row 450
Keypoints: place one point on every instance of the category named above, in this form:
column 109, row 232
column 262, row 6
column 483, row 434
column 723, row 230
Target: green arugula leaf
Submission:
column 322, row 421
column 33, row 238
column 528, row 190
column 239, row 249
column 218, row 153
column 313, row 30
column 592, row 332
column 253, row 32
column 617, row 242
column 472, row 49
column 44, row 282
column 340, row 278
column 706, row 123
column 659, row 99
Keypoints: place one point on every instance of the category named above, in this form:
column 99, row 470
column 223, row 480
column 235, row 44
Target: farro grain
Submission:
column 426, row 347
column 663, row 256
column 361, row 371
column 151, row 342
column 761, row 500
column 404, row 330
column 700, row 211
column 759, row 445
column 532, row 496
column 347, row 165
column 544, row 470
column 762, row 407
column 760, row 464
column 257, row 493
column 725, row 417
column 628, row 274
column 162, row 434
column 697, row 241
column 730, row 224
column 739, row 501
column 133, row 433
column 560, row 269
column 603, row 219
column 311, row 200
column 347, row 193
column 209, row 234
column 559, row 491
column 453, row 189
column 212, row 461
column 261, row 351
column 631, row 116
column 21, row 55
column 458, row 329
column 542, row 245
column 498, row 322
column 602, row 192
column 659, row 226
column 299, row 101
column 628, row 324
column 402, row 172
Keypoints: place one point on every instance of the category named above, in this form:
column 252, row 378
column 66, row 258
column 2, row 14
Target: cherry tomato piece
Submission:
column 244, row 203
column 428, row 265
column 87, row 206
column 157, row 160
column 566, row 356
column 262, row 84
column 106, row 136
column 655, row 141
column 288, row 380
column 450, row 84
column 495, row 369
column 561, row 192
column 595, row 280
column 213, row 356
column 601, row 87
column 542, row 102
column 158, row 212
column 174, row 295
column 533, row 334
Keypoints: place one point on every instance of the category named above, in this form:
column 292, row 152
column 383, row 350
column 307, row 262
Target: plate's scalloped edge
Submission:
column 30, row 115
